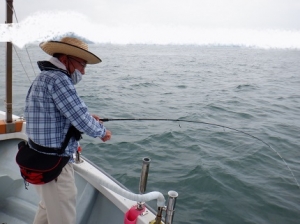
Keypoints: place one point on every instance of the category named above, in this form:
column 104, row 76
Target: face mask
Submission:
column 76, row 76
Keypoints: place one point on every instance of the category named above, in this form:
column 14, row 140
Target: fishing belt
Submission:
column 38, row 168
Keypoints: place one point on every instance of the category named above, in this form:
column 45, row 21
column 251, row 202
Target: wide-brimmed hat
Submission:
column 70, row 46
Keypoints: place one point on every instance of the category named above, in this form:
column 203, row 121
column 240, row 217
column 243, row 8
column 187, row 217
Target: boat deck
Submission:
column 18, row 205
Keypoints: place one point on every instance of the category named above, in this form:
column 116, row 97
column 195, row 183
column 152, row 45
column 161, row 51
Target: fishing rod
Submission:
column 206, row 123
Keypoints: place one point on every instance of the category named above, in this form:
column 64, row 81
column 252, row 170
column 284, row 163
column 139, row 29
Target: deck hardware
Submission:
column 143, row 180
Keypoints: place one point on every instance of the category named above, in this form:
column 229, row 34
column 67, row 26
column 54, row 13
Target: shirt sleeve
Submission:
column 73, row 108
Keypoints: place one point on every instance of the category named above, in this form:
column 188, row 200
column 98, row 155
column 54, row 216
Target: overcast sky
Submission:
column 253, row 14
column 260, row 23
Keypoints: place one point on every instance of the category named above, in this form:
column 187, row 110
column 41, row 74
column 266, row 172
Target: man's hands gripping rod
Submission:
column 107, row 134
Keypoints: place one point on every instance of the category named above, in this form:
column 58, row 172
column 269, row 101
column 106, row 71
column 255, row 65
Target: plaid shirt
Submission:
column 52, row 105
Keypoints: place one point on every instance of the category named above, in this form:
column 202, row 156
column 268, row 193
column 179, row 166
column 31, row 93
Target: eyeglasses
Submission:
column 83, row 64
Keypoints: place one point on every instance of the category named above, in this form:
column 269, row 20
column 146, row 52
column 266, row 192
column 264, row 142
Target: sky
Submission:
column 262, row 23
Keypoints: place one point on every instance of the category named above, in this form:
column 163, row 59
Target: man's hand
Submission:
column 97, row 118
column 108, row 133
column 107, row 136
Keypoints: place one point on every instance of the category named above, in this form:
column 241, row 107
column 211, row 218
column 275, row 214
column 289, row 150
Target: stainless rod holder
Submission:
column 144, row 175
column 78, row 154
column 171, row 207
column 143, row 180
column 77, row 158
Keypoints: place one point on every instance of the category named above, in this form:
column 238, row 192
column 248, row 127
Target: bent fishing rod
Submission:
column 206, row 123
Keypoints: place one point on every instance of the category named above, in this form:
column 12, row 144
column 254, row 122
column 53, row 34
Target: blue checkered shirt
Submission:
column 52, row 105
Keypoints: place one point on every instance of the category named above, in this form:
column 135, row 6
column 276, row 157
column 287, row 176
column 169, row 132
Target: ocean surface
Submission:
column 221, row 175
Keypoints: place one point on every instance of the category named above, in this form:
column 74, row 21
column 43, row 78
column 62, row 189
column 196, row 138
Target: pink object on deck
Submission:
column 132, row 214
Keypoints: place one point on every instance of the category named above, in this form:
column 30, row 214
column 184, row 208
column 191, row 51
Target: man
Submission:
column 52, row 106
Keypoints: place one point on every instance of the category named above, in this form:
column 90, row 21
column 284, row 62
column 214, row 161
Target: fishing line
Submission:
column 206, row 123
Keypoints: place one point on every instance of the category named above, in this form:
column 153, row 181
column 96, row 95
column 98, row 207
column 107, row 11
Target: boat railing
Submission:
column 140, row 198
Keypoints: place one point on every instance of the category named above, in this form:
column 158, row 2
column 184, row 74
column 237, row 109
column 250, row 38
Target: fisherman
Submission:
column 52, row 106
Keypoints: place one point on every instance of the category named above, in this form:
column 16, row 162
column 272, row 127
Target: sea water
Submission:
column 222, row 176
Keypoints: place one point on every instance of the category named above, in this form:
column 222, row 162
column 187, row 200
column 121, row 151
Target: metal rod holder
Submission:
column 77, row 158
column 144, row 175
column 171, row 207
column 78, row 154
column 143, row 180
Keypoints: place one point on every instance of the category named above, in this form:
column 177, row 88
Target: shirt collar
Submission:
column 57, row 63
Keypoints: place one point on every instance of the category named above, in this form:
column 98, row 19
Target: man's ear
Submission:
column 64, row 59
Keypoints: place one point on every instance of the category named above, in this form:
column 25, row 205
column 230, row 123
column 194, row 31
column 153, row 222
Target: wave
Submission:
column 44, row 26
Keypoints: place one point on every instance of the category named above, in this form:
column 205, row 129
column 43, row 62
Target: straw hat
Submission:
column 70, row 46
